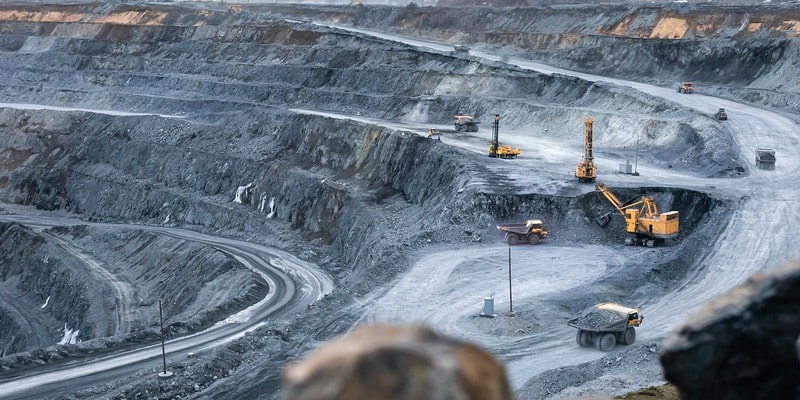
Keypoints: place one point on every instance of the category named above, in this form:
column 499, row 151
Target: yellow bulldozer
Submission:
column 642, row 219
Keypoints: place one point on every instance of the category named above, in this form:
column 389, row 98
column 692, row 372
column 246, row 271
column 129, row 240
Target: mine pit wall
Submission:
column 34, row 271
column 159, row 265
column 619, row 41
column 273, row 63
column 718, row 47
column 140, row 169
column 144, row 168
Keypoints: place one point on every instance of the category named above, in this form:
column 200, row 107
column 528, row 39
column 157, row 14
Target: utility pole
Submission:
column 636, row 160
column 510, row 298
column 165, row 373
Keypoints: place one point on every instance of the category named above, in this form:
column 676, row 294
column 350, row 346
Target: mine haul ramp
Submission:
column 605, row 325
column 529, row 232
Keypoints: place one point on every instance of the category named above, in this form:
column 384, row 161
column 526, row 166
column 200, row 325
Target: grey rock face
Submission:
column 743, row 344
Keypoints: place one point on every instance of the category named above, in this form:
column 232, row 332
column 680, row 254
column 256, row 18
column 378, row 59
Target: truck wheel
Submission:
column 583, row 338
column 512, row 238
column 607, row 342
column 630, row 336
column 533, row 239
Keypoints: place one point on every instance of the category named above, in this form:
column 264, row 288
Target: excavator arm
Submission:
column 648, row 203
column 610, row 197
column 626, row 209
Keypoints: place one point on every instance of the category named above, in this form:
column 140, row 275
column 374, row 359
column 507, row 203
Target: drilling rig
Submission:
column 586, row 171
column 495, row 150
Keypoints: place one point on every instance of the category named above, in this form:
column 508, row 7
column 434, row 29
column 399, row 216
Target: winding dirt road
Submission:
column 293, row 284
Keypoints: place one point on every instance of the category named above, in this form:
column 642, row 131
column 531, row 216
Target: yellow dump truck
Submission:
column 606, row 324
column 530, row 232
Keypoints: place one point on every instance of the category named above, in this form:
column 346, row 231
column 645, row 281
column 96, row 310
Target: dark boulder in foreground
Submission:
column 742, row 345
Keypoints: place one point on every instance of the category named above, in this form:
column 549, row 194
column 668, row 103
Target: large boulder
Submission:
column 741, row 345
column 396, row 362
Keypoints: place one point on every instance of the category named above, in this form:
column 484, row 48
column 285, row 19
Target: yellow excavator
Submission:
column 586, row 171
column 642, row 219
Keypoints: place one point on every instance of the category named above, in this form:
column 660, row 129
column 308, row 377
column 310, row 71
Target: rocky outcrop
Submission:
column 396, row 363
column 741, row 345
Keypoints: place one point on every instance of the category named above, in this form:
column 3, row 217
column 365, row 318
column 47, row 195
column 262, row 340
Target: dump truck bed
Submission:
column 600, row 321
column 515, row 228
column 765, row 155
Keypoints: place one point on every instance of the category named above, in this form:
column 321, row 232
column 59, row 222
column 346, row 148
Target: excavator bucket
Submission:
column 604, row 219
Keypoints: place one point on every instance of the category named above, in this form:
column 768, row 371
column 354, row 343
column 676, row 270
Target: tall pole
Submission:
column 163, row 353
column 510, row 298
column 636, row 160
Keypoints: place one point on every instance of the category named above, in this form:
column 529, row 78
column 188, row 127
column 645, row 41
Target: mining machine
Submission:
column 529, row 232
column 686, row 87
column 495, row 150
column 607, row 324
column 465, row 123
column 642, row 219
column 586, row 171
column 765, row 158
